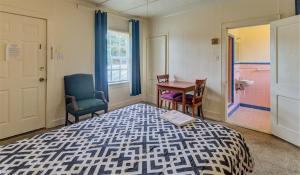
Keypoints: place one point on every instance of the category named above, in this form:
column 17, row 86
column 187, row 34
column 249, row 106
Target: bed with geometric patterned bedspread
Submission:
column 131, row 140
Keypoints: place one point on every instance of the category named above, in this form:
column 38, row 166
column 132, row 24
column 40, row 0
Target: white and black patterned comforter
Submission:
column 132, row 140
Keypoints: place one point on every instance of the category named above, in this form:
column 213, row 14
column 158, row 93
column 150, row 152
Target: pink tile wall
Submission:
column 259, row 93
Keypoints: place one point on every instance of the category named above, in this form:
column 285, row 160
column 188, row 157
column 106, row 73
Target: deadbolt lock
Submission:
column 42, row 79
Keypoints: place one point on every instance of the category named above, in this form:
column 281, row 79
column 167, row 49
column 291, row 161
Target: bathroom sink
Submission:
column 244, row 83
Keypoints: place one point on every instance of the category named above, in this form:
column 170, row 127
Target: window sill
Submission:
column 118, row 84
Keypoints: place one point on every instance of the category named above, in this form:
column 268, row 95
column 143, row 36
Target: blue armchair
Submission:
column 81, row 97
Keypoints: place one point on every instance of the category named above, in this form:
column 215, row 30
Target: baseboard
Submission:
column 247, row 106
column 255, row 107
column 233, row 110
column 150, row 99
column 61, row 121
column 125, row 103
column 247, row 127
column 213, row 115
column 56, row 122
column 208, row 114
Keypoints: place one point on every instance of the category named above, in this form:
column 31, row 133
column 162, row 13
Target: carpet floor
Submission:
column 272, row 156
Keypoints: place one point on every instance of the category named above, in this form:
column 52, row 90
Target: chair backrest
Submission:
column 163, row 78
column 80, row 85
column 199, row 90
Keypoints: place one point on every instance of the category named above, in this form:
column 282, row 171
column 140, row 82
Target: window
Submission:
column 118, row 57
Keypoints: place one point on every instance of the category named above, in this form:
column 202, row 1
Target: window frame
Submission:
column 109, row 57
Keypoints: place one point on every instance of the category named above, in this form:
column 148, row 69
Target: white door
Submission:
column 285, row 81
column 156, row 63
column 22, row 64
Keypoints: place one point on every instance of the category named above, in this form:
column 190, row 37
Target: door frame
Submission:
column 224, row 51
column 232, row 70
column 40, row 17
column 166, row 35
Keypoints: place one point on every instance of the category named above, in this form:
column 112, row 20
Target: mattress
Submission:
column 131, row 140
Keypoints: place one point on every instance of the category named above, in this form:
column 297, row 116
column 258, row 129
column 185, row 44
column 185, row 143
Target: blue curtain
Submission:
column 135, row 52
column 101, row 83
column 297, row 7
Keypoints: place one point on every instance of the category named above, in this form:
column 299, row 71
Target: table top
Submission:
column 177, row 84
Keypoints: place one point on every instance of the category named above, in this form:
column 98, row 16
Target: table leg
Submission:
column 183, row 102
column 157, row 97
column 173, row 105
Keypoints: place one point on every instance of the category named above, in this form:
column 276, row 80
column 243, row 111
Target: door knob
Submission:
column 42, row 79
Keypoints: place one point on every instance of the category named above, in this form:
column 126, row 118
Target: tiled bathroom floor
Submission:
column 252, row 119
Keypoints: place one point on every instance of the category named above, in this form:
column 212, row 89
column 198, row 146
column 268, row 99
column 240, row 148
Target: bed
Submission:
column 131, row 140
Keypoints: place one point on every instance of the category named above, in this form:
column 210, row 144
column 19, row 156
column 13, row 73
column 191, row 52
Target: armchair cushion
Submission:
column 87, row 106
column 89, row 103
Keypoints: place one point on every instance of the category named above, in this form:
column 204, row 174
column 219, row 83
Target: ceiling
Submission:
column 148, row 8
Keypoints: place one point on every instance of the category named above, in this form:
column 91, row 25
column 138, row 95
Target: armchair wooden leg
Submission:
column 76, row 119
column 198, row 111
column 169, row 105
column 67, row 116
column 105, row 110
column 93, row 115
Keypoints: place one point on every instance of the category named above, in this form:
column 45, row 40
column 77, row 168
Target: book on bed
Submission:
column 177, row 118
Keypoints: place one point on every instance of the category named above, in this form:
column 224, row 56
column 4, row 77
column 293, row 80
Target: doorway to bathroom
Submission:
column 249, row 77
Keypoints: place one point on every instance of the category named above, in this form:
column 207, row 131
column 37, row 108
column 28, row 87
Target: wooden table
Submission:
column 177, row 86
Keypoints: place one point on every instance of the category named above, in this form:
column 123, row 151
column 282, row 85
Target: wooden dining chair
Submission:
column 194, row 101
column 166, row 96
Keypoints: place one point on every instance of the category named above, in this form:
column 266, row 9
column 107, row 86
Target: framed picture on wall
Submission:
column 297, row 5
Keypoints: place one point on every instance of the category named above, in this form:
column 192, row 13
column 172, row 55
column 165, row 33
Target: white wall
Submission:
column 191, row 54
column 253, row 43
column 70, row 30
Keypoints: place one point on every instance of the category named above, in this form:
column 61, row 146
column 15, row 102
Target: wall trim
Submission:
column 264, row 63
column 255, row 107
column 233, row 110
column 262, row 108
column 231, row 104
